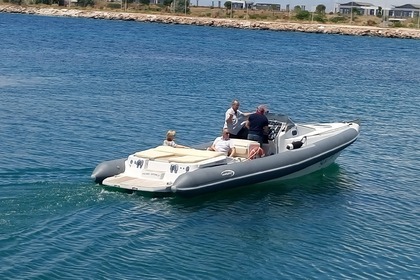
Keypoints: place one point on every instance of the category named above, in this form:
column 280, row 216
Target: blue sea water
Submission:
column 75, row 92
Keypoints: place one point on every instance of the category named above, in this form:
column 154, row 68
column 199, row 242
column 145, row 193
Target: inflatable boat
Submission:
column 290, row 150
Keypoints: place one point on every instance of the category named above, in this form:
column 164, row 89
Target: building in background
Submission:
column 405, row 11
column 363, row 8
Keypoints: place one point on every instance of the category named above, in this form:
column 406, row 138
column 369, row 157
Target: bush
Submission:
column 303, row 15
column 85, row 3
column 397, row 24
column 338, row 19
column 319, row 18
column 114, row 5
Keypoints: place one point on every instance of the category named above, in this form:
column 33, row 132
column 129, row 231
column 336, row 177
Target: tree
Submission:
column 303, row 15
column 356, row 11
column 320, row 9
column 380, row 10
column 228, row 5
column 297, row 9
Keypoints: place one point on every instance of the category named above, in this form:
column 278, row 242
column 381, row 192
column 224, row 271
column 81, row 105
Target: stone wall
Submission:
column 403, row 33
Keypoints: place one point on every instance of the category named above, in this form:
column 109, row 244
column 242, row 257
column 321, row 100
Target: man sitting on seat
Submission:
column 223, row 144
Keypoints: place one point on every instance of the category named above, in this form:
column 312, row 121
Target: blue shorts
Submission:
column 256, row 137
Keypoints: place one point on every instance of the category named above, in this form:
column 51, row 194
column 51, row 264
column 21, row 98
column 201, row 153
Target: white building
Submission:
column 364, row 8
column 405, row 11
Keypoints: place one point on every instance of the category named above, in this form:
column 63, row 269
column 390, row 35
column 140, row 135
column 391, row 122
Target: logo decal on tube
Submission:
column 228, row 172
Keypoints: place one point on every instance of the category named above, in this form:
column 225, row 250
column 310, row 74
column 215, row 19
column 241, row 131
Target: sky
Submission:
column 311, row 4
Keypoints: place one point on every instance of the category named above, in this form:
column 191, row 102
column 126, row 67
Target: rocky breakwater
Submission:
column 403, row 33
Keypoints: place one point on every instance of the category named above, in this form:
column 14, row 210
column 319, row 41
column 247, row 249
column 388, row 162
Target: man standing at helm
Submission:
column 258, row 125
column 235, row 120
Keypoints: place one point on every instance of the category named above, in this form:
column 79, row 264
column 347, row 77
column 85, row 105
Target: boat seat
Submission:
column 241, row 151
column 244, row 147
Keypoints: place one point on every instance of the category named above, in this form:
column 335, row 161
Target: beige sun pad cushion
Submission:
column 153, row 154
column 189, row 152
column 187, row 159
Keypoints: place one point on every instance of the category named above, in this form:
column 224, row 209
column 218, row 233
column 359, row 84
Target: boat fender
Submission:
column 296, row 144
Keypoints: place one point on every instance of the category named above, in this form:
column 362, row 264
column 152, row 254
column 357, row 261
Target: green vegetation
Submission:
column 85, row 3
column 258, row 16
column 320, row 9
column 114, row 5
column 320, row 18
column 380, row 11
column 303, row 15
column 17, row 2
column 339, row 19
column 397, row 24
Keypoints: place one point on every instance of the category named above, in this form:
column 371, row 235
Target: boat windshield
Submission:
column 276, row 122
column 280, row 118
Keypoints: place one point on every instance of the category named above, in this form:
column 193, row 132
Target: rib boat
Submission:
column 291, row 150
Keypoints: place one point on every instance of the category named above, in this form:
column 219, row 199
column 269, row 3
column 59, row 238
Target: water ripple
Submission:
column 73, row 97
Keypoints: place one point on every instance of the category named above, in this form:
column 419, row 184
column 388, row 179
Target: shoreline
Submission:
column 401, row 33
